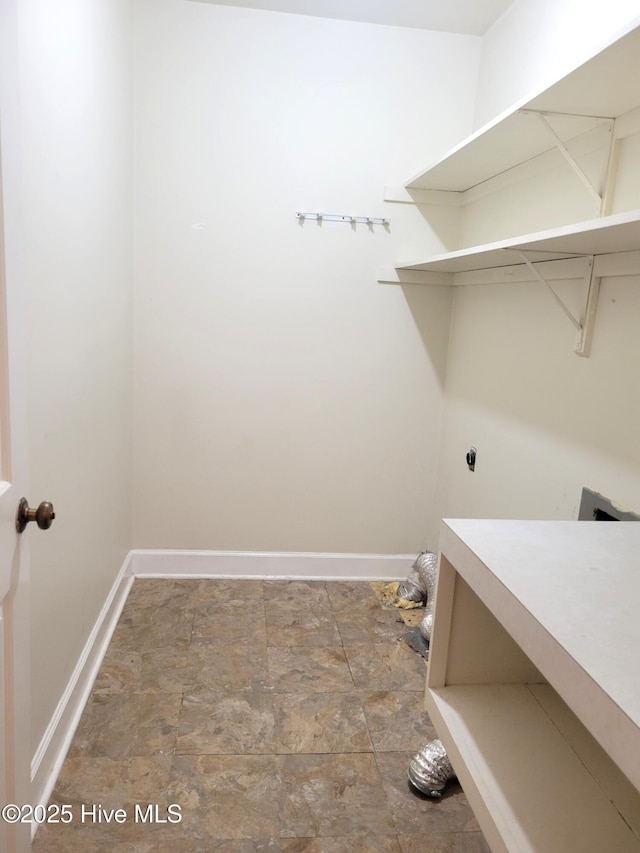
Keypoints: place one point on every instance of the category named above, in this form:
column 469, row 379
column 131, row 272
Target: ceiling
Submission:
column 473, row 17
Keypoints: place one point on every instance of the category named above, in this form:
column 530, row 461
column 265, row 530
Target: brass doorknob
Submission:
column 43, row 516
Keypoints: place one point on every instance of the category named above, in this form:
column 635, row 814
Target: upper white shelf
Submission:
column 606, row 86
column 619, row 232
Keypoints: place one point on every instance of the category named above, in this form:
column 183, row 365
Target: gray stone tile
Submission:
column 332, row 795
column 228, row 625
column 444, row 842
column 416, row 813
column 370, row 624
column 226, row 796
column 342, row 844
column 397, row 720
column 302, row 628
column 320, row 723
column 162, row 670
column 386, row 666
column 151, row 627
column 350, row 595
column 94, row 786
column 158, row 593
column 121, row 725
column 236, row 593
column 213, row 845
column 217, row 667
column 236, row 723
column 295, row 595
column 119, row 671
column 312, row 669
column 159, row 670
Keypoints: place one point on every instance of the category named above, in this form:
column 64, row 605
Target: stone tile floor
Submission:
column 278, row 716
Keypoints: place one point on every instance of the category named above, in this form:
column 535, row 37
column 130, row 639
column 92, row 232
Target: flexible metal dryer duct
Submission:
column 420, row 585
column 430, row 769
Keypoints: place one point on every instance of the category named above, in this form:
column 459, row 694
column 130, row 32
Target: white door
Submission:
column 15, row 748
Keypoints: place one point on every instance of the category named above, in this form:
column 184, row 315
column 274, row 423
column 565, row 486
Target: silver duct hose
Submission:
column 430, row 769
column 411, row 589
column 420, row 585
column 428, row 570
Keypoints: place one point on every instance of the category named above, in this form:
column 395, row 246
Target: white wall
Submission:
column 77, row 162
column 283, row 399
column 545, row 422
column 536, row 42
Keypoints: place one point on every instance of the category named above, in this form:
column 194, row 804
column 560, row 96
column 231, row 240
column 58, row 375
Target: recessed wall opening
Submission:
column 597, row 507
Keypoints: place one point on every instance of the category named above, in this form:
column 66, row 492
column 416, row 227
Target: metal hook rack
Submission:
column 340, row 217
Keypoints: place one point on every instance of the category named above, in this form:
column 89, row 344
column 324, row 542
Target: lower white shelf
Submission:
column 619, row 232
column 535, row 778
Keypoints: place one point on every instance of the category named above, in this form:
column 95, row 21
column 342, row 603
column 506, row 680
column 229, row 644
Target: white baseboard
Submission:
column 270, row 565
column 51, row 752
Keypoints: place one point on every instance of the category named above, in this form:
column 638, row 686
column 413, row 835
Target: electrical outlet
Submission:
column 471, row 458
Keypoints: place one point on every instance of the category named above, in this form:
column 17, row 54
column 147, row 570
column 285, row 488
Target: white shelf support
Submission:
column 392, row 275
column 532, row 267
column 585, row 326
column 408, row 195
column 568, row 156
column 592, row 281
column 610, row 169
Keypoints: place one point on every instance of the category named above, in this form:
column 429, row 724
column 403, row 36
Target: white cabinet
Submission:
column 534, row 680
